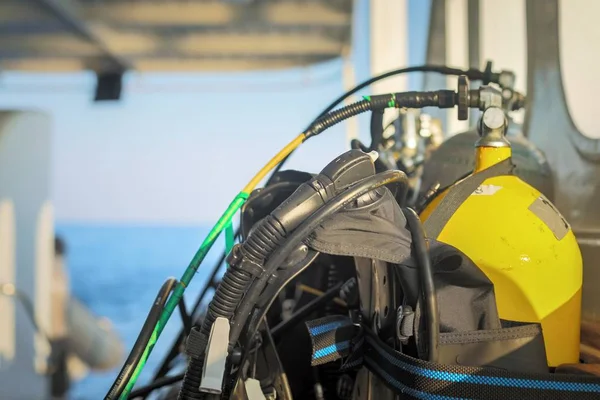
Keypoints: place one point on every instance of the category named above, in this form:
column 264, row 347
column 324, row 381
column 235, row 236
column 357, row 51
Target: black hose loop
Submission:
column 259, row 245
column 190, row 388
column 137, row 351
column 426, row 280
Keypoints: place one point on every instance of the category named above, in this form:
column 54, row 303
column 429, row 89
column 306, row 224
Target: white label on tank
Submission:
column 486, row 190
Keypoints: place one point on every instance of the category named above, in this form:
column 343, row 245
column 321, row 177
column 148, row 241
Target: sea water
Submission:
column 117, row 271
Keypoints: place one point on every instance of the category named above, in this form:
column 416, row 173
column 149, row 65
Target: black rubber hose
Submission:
column 426, row 278
column 260, row 244
column 473, row 75
column 227, row 298
column 376, row 129
column 265, row 237
column 303, row 231
column 306, row 310
column 156, row 384
column 263, row 240
column 439, row 98
column 142, row 340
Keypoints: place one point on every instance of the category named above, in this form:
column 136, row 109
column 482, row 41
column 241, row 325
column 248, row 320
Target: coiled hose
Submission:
column 262, row 241
column 267, row 236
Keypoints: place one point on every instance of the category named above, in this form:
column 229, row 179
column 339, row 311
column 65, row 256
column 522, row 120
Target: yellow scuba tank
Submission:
column 520, row 241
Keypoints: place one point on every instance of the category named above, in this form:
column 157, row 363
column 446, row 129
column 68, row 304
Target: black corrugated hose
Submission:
column 260, row 244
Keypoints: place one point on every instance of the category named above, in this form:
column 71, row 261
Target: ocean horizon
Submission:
column 116, row 270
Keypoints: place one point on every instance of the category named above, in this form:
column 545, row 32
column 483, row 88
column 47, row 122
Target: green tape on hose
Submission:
column 229, row 237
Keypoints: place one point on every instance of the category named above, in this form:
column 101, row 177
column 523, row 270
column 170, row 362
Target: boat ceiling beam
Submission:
column 68, row 12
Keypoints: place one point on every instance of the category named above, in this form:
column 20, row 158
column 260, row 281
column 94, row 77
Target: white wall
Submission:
column 26, row 251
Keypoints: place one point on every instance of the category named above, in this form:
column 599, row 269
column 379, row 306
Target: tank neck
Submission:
column 486, row 157
column 492, row 147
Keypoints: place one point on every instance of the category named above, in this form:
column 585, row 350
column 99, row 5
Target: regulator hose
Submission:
column 419, row 243
column 486, row 76
column 439, row 98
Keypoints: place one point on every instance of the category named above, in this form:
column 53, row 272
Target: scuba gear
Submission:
column 244, row 265
column 402, row 298
column 536, row 268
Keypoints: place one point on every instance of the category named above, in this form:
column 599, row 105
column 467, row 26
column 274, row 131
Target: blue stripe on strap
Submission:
column 319, row 329
column 408, row 390
column 334, row 348
column 488, row 380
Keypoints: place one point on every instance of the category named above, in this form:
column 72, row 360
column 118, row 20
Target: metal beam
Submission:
column 168, row 64
column 217, row 13
column 68, row 13
column 132, row 45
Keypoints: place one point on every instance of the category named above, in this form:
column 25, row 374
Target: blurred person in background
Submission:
column 80, row 342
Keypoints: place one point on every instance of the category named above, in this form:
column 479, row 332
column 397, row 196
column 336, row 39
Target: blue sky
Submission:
column 177, row 148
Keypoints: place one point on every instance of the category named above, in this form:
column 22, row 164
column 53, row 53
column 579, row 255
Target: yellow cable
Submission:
column 273, row 163
column 317, row 292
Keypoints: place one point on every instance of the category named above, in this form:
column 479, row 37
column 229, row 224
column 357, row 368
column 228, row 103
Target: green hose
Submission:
column 189, row 273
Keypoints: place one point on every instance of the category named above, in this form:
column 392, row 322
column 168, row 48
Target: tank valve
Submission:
column 463, row 98
column 492, row 128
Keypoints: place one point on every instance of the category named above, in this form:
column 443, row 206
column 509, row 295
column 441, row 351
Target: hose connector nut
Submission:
column 463, row 98
column 235, row 256
column 236, row 260
column 251, row 267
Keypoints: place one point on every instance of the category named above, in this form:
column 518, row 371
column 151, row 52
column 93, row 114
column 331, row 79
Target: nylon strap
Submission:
column 331, row 338
column 459, row 193
column 417, row 379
